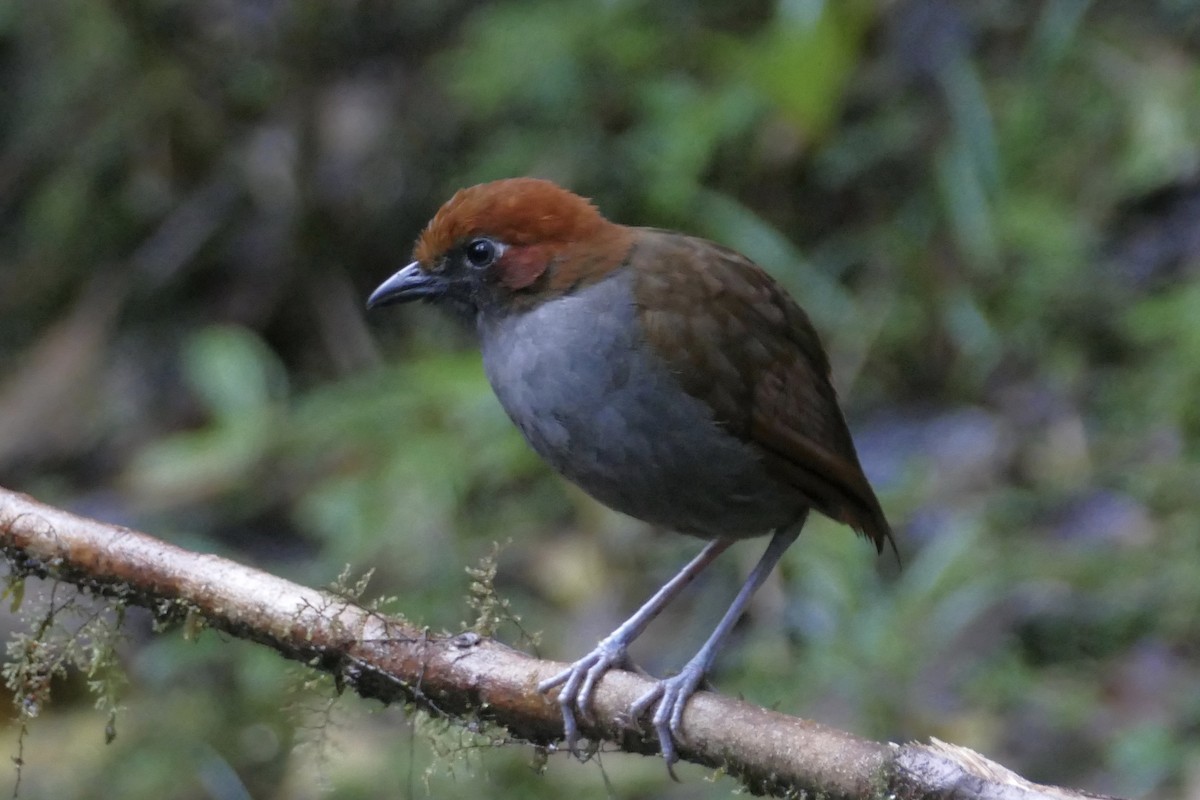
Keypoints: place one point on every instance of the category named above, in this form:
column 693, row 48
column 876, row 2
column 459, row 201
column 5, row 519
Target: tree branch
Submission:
column 468, row 676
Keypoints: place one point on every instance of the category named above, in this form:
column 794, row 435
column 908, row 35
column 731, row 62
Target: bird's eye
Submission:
column 482, row 252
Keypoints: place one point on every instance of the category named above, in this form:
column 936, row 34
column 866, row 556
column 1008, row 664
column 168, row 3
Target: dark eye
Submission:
column 481, row 252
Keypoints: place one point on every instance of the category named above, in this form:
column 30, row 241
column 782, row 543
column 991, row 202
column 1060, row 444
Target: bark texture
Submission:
column 470, row 677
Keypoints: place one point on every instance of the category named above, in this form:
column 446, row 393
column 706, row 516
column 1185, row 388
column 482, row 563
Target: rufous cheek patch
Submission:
column 520, row 267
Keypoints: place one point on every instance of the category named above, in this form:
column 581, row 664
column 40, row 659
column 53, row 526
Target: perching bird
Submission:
column 669, row 377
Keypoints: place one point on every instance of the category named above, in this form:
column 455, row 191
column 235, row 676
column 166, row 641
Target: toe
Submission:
column 570, row 730
column 679, row 702
column 643, row 703
column 584, row 701
column 665, row 743
column 557, row 680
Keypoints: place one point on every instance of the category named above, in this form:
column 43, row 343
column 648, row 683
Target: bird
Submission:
column 669, row 377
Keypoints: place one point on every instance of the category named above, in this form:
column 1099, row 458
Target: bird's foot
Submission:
column 669, row 697
column 578, row 683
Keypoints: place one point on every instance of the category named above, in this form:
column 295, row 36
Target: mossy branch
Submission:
column 471, row 677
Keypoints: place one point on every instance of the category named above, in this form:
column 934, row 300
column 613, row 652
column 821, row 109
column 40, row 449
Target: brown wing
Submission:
column 755, row 358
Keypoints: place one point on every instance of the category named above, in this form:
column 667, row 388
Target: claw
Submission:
column 578, row 683
column 669, row 698
column 566, row 702
column 579, row 680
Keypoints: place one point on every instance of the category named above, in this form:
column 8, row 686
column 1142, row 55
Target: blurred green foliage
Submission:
column 991, row 210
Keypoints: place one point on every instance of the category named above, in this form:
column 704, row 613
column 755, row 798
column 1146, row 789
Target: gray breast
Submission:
column 577, row 379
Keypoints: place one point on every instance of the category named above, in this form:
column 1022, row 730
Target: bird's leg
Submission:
column 579, row 680
column 670, row 695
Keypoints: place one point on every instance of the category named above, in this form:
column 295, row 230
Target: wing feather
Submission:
column 755, row 358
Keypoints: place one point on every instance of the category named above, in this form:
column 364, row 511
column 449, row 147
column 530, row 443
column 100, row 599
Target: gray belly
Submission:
column 611, row 418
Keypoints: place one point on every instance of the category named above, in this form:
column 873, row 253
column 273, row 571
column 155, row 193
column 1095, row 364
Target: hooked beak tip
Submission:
column 410, row 283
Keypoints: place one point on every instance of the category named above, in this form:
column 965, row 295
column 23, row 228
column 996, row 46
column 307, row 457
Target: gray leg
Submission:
column 581, row 677
column 671, row 694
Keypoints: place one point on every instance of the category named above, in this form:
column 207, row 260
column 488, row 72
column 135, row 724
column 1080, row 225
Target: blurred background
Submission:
column 991, row 211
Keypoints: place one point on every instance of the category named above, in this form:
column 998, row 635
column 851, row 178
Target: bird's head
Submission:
column 507, row 245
